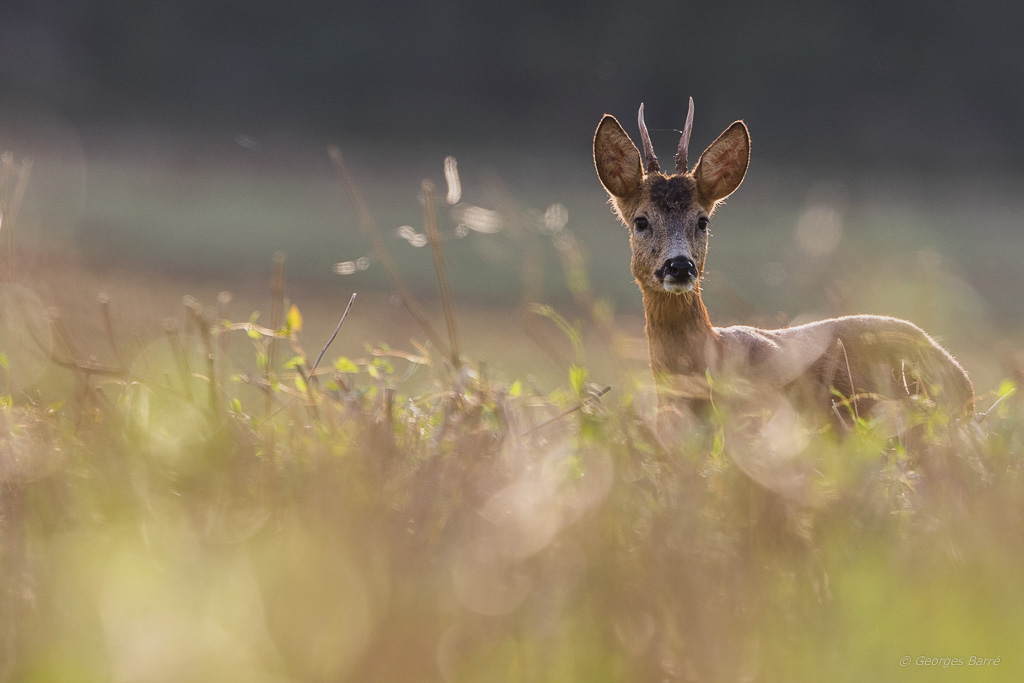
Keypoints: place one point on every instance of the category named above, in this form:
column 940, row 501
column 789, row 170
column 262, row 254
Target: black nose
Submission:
column 679, row 268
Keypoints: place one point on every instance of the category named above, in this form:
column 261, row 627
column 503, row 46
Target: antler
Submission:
column 652, row 161
column 684, row 142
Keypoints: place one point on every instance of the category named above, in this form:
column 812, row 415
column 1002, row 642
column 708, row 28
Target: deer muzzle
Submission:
column 678, row 274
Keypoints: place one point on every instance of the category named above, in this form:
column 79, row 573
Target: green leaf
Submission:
column 1006, row 387
column 300, row 384
column 718, row 447
column 294, row 362
column 590, row 431
column 577, row 378
column 516, row 390
column 294, row 319
column 345, row 365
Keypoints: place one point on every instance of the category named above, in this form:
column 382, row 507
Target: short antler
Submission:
column 684, row 141
column 652, row 161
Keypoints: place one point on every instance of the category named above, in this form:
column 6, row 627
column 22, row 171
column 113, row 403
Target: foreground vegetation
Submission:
column 224, row 505
column 398, row 517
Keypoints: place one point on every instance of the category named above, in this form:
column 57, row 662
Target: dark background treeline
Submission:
column 914, row 85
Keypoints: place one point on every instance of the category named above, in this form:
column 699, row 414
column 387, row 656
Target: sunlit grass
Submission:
column 344, row 529
column 205, row 504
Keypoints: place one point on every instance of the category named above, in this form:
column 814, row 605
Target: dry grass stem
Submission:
column 333, row 336
column 441, row 268
column 368, row 228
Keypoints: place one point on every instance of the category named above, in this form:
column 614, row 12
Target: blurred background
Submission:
column 187, row 141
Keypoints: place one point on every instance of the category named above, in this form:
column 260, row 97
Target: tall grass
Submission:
column 246, row 512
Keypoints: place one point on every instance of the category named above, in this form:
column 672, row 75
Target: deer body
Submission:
column 864, row 358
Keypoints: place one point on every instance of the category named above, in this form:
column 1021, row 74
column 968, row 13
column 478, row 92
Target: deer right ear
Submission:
column 617, row 159
column 723, row 164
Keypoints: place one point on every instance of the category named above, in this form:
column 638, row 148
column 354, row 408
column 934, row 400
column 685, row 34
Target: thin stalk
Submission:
column 201, row 323
column 366, row 224
column 441, row 268
column 108, row 324
column 569, row 411
column 276, row 316
column 331, row 340
column 223, row 314
column 171, row 328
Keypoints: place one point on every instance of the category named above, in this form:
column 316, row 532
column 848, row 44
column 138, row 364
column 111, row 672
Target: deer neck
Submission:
column 680, row 338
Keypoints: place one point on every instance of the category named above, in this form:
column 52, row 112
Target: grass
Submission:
column 214, row 508
column 352, row 531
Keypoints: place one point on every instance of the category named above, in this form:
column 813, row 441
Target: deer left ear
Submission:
column 617, row 159
column 723, row 164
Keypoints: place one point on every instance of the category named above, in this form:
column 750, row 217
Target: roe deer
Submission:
column 862, row 359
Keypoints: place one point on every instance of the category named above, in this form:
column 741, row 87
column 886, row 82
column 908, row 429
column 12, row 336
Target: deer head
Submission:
column 667, row 215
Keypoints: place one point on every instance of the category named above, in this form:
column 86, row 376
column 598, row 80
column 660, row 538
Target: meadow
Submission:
column 470, row 487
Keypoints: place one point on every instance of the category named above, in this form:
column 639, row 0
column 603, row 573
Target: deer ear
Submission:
column 723, row 164
column 617, row 159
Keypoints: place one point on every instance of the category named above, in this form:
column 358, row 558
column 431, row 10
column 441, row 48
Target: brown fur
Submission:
column 862, row 358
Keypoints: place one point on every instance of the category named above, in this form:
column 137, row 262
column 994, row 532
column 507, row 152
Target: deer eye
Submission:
column 702, row 223
column 640, row 223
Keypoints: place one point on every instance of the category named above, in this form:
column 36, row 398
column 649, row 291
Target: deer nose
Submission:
column 680, row 269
